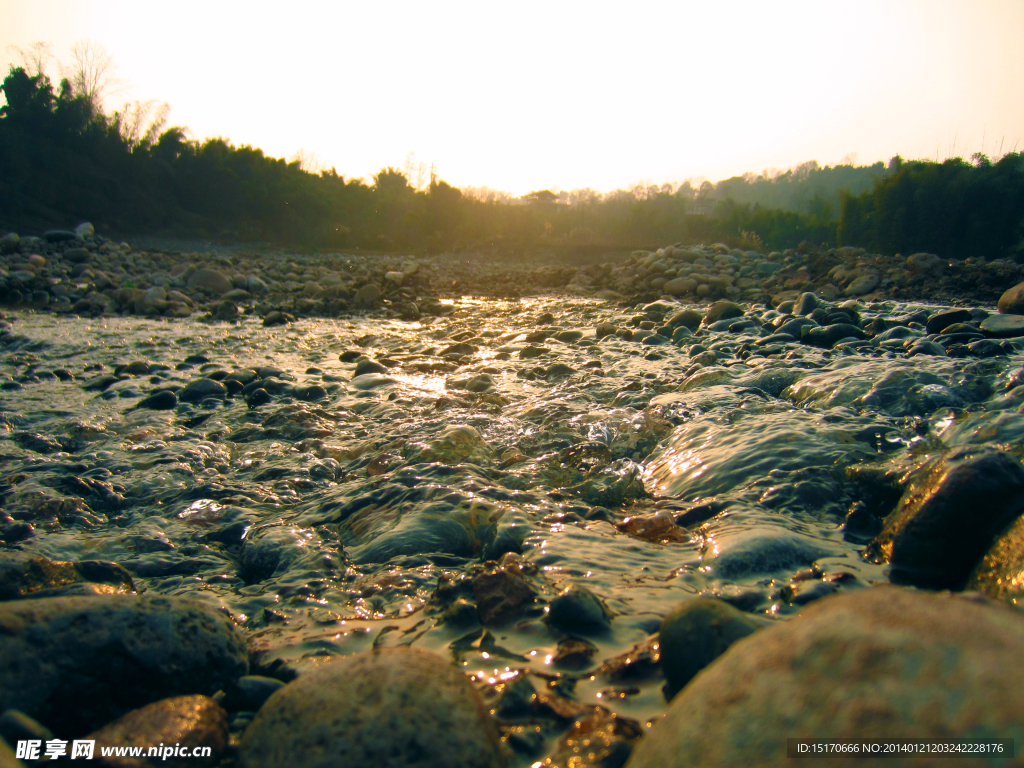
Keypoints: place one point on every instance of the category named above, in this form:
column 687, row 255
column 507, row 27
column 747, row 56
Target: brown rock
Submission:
column 1012, row 302
column 392, row 707
column 181, row 724
column 886, row 662
column 500, row 595
column 1000, row 574
column 722, row 310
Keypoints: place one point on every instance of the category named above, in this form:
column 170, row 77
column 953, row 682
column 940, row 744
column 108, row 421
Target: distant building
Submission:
column 700, row 209
column 545, row 196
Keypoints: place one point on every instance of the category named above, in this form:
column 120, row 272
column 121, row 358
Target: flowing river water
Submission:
column 365, row 482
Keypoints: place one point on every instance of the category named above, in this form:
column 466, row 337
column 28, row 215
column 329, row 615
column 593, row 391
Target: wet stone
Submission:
column 696, row 634
column 501, row 595
column 1012, row 301
column 164, row 400
column 250, row 692
column 1003, row 326
column 188, row 721
column 949, row 515
column 396, row 707
column 938, row 322
column 117, row 652
column 722, row 310
column 23, row 575
column 200, row 389
column 310, row 393
column 886, row 660
column 827, row 336
column 577, row 609
column 364, row 367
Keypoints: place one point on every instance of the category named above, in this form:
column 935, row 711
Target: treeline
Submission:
column 63, row 160
column 955, row 208
column 808, row 188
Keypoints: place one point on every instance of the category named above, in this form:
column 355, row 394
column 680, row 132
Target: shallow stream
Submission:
column 335, row 512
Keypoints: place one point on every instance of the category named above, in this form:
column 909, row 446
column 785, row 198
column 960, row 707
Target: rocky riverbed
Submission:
column 435, row 512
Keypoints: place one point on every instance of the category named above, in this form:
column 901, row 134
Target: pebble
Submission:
column 1003, row 326
column 501, row 594
column 25, row 575
column 396, row 707
column 185, row 721
column 200, row 389
column 1000, row 572
column 164, row 400
column 577, row 609
column 117, row 652
column 888, row 661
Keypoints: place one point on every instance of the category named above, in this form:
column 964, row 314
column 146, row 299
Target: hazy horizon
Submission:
column 575, row 96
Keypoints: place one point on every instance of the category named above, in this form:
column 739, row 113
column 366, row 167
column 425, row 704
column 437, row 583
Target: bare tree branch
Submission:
column 35, row 57
column 93, row 74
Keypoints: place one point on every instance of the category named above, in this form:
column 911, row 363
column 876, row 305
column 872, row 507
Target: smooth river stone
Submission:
column 391, row 707
column 697, row 633
column 206, row 279
column 76, row 663
column 188, row 721
column 1003, row 326
column 1000, row 574
column 949, row 515
column 1012, row 301
column 886, row 662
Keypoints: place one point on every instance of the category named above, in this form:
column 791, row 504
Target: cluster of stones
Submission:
column 87, row 274
column 808, row 320
column 79, row 272
column 703, row 273
column 124, row 670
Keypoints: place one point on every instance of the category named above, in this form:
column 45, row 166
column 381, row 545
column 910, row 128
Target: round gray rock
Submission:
column 395, row 707
column 886, row 662
column 210, row 280
column 76, row 663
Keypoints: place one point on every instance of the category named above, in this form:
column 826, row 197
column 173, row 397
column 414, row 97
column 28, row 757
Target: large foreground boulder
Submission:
column 886, row 662
column 395, row 707
column 76, row 663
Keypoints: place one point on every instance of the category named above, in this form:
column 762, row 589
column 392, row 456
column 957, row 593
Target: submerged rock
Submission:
column 116, row 652
column 23, row 575
column 395, row 707
column 696, row 634
column 888, row 662
column 577, row 609
column 458, row 443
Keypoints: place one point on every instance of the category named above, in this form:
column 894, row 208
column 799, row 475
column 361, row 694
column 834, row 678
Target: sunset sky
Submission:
column 533, row 95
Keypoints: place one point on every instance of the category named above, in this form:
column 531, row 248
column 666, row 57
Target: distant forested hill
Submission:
column 62, row 161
